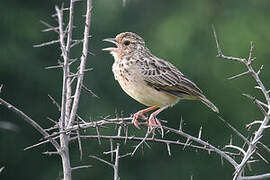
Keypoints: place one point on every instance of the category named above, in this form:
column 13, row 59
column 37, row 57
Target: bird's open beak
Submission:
column 112, row 40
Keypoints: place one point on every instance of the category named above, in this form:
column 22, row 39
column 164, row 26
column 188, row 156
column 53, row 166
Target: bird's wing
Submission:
column 163, row 76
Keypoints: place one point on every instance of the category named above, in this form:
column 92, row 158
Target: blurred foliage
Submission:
column 178, row 31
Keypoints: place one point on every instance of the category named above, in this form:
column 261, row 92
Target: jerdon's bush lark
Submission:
column 150, row 80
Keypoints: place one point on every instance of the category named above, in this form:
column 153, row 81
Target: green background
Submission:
column 178, row 31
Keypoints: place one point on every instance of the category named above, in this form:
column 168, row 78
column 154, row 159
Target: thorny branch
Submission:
column 252, row 145
column 68, row 129
column 127, row 121
column 82, row 65
column 68, row 115
column 29, row 121
column 115, row 166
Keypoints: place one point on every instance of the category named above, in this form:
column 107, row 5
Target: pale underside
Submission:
column 131, row 77
column 147, row 95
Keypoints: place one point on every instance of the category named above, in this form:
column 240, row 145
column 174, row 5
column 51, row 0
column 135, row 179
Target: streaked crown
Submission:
column 127, row 43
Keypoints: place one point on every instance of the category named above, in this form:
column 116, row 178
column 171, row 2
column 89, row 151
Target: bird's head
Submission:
column 127, row 44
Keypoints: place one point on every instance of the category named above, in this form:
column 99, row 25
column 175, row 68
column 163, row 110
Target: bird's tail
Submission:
column 209, row 104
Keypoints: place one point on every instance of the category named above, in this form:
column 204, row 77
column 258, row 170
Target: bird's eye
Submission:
column 126, row 43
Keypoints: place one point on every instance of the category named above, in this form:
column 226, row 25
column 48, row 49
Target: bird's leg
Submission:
column 153, row 122
column 141, row 114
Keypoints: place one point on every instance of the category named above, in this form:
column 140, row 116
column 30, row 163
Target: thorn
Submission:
column 46, row 43
column 262, row 157
column 217, row 43
column 209, row 150
column 222, row 161
column 50, row 153
column 238, row 75
column 187, row 143
column 91, row 53
column 89, row 91
column 124, row 3
column 250, row 59
column 253, row 123
column 256, row 140
column 50, row 119
column 97, row 129
column 200, row 133
column 50, row 27
column 2, row 168
column 1, row 88
column 89, row 69
column 125, row 155
column 75, row 42
column 149, row 147
column 80, row 167
column 259, row 71
column 181, row 124
column 169, row 149
column 54, row 67
column 111, row 145
column 249, row 166
column 126, row 134
column 101, row 160
column 79, row 141
column 54, row 102
column 237, row 148
column 76, row 1
column 258, row 103
column 257, row 87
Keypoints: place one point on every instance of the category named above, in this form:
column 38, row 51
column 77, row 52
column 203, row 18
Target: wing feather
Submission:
column 164, row 76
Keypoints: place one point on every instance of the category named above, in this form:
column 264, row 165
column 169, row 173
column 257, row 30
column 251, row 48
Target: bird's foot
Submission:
column 153, row 123
column 141, row 113
column 136, row 116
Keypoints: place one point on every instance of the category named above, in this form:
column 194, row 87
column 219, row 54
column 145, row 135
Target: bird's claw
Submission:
column 153, row 123
column 136, row 117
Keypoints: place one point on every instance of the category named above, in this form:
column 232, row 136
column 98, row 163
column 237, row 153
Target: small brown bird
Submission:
column 148, row 79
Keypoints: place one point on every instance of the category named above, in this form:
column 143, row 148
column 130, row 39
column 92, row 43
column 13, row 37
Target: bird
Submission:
column 150, row 80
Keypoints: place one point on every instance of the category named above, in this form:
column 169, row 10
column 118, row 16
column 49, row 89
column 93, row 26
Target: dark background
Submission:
column 178, row 31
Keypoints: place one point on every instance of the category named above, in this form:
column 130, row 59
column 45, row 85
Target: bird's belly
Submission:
column 145, row 94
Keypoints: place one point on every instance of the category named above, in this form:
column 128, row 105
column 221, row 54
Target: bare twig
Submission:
column 140, row 139
column 29, row 121
column 257, row 102
column 258, row 134
column 116, row 163
column 234, row 130
column 65, row 68
column 102, row 160
column 50, row 27
column 237, row 148
column 143, row 140
column 82, row 64
column 253, row 123
column 55, row 102
column 206, row 144
column 66, row 91
column 89, row 91
column 46, row 43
